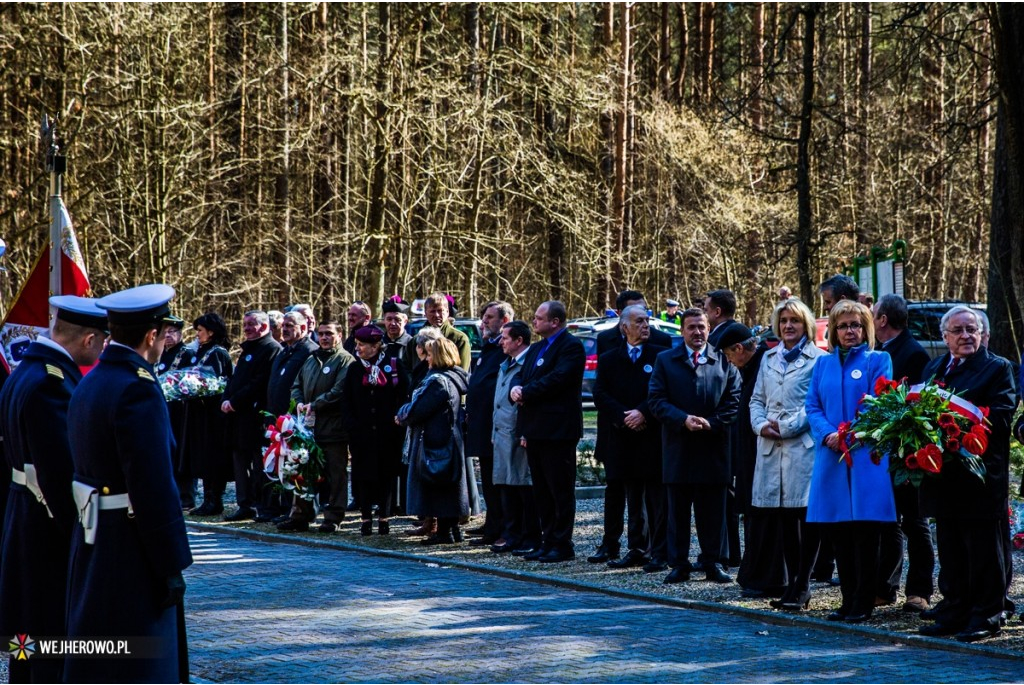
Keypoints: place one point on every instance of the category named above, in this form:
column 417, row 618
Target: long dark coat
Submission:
column 909, row 358
column 621, row 386
column 247, row 391
column 374, row 439
column 745, row 445
column 433, row 417
column 34, row 423
column 710, row 390
column 283, row 372
column 480, row 401
column 123, row 444
column 986, row 380
column 552, row 375
column 178, row 357
column 207, row 448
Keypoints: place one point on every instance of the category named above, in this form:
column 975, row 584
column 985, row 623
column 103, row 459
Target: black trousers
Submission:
column 708, row 504
column 553, row 470
column 856, row 545
column 334, row 497
column 911, row 528
column 972, row 557
column 494, row 519
column 521, row 525
column 249, row 477
column 614, row 514
column 648, row 517
column 379, row 492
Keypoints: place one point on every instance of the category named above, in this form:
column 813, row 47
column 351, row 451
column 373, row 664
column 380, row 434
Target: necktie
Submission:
column 696, row 356
column 634, row 352
column 955, row 362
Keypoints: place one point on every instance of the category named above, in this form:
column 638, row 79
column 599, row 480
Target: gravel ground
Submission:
column 587, row 537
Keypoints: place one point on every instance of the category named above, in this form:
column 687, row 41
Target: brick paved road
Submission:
column 275, row 612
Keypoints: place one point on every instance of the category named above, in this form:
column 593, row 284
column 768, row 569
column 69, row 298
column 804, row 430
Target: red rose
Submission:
column 953, row 445
column 929, row 458
column 946, row 419
column 911, row 461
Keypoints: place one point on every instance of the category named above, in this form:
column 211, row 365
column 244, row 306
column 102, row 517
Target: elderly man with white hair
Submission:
column 969, row 512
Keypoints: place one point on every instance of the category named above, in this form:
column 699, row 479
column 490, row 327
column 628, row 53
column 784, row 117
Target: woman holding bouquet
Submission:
column 433, row 417
column 375, row 387
column 850, row 490
column 781, row 547
column 208, row 450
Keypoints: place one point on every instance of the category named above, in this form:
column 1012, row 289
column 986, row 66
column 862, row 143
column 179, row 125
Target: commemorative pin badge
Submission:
column 856, row 374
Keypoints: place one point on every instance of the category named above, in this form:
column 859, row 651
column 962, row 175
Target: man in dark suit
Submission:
column 908, row 361
column 42, row 512
column 695, row 394
column 480, row 413
column 129, row 551
column 614, row 491
column 970, row 513
column 245, row 397
column 550, row 423
column 720, row 308
column 632, row 449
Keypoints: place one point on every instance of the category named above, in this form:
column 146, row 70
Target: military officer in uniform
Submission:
column 41, row 513
column 128, row 554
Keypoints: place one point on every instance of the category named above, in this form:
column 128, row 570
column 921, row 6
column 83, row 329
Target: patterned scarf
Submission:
column 373, row 374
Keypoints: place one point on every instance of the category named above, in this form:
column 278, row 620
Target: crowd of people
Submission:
column 721, row 428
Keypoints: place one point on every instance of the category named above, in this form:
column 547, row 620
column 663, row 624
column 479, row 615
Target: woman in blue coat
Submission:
column 852, row 499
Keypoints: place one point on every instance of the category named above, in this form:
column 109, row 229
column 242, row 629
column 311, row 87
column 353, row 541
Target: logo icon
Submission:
column 22, row 647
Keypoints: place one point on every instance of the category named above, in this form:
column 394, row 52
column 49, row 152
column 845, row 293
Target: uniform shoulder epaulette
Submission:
column 145, row 375
column 54, row 371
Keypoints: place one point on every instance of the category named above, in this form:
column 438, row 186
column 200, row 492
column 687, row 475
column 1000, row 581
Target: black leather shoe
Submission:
column 383, row 527
column 634, row 558
column 935, row 613
column 973, row 635
column 502, row 547
column 603, row 555
column 938, row 629
column 480, row 541
column 366, row 528
column 557, row 555
column 264, row 518
column 858, row 617
column 837, row 615
column 752, row 593
column 205, row 509
column 241, row 515
column 439, row 539
column 293, row 525
column 524, row 550
column 676, row 575
column 280, row 519
column 477, row 532
column 715, row 574
column 535, row 554
column 655, row 565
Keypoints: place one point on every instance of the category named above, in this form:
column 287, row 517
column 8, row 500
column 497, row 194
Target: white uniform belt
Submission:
column 90, row 502
column 30, row 481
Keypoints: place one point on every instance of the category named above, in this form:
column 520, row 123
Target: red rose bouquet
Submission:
column 922, row 428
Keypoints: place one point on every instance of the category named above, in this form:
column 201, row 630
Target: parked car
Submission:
column 471, row 327
column 924, row 318
column 587, row 330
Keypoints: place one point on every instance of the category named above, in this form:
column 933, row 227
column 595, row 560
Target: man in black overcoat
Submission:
column 480, row 413
column 550, row 423
column 245, row 397
column 614, row 491
column 41, row 512
column 632, row 440
column 908, row 361
column 970, row 513
column 695, row 394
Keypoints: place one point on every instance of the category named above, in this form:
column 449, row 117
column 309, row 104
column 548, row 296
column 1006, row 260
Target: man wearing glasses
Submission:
column 969, row 512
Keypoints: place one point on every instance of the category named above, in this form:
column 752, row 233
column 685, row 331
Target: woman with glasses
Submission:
column 850, row 491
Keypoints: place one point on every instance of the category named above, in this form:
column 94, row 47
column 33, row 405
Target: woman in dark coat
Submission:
column 375, row 387
column 432, row 416
column 206, row 440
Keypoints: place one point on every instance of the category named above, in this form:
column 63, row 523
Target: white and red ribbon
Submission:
column 956, row 404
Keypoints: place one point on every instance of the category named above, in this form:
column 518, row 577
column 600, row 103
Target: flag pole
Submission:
column 56, row 165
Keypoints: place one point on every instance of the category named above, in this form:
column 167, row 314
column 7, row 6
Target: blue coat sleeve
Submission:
column 821, row 427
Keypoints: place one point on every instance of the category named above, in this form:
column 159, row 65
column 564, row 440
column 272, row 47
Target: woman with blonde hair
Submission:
column 434, row 418
column 781, row 550
column 850, row 488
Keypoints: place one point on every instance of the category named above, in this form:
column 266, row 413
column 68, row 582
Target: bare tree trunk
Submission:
column 285, row 291
column 379, row 171
column 620, row 190
column 804, row 234
column 864, row 102
column 707, row 51
column 683, row 30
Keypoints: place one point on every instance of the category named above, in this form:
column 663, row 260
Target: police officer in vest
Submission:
column 41, row 513
column 672, row 314
column 131, row 547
